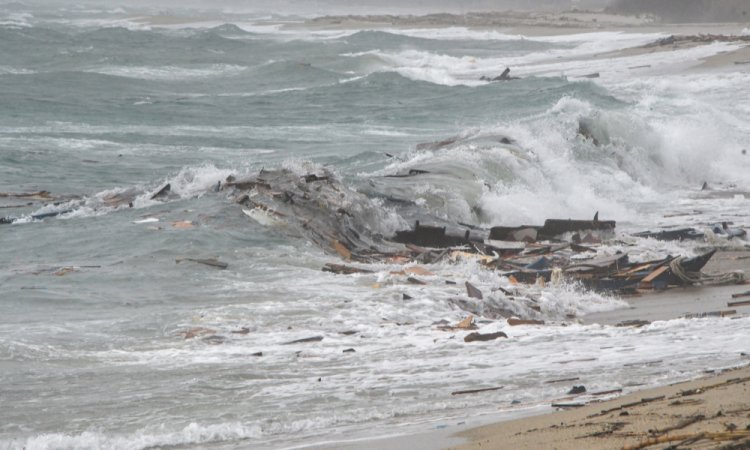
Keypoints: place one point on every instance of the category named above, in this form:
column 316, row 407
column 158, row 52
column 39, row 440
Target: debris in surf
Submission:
column 479, row 337
column 343, row 270
column 163, row 192
column 473, row 292
column 516, row 322
column 728, row 312
column 213, row 262
column 476, row 391
column 197, row 331
column 183, row 224
column 304, row 340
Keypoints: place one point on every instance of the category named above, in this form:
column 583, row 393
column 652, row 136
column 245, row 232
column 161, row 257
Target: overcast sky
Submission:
column 346, row 6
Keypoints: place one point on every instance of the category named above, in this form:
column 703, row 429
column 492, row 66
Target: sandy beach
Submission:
column 711, row 412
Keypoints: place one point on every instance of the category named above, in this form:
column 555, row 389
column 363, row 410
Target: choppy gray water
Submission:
column 100, row 102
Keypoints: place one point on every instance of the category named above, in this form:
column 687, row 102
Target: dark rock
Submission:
column 577, row 390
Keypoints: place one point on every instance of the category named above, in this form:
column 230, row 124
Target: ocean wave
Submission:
column 166, row 73
column 191, row 434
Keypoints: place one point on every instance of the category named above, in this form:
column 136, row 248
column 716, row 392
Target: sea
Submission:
column 107, row 342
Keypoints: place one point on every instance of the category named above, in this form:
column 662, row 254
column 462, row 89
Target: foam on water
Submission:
column 108, row 364
column 156, row 436
column 170, row 72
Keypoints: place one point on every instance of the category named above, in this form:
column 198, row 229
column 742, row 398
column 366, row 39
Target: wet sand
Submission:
column 711, row 412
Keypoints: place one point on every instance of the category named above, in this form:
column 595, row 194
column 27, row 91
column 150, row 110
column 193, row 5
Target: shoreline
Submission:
column 526, row 23
column 717, row 405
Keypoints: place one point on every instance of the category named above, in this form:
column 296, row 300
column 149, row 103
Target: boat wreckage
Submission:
column 343, row 221
column 337, row 218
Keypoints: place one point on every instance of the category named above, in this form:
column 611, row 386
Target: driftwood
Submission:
column 476, row 391
column 718, row 437
column 305, row 340
column 473, row 292
column 342, row 269
column 479, row 337
column 213, row 262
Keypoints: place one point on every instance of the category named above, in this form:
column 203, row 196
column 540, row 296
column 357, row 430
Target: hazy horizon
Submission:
column 328, row 7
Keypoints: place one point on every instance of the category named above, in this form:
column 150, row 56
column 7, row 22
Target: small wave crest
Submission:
column 191, row 434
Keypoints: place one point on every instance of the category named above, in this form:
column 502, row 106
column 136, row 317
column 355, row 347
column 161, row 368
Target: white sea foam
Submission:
column 169, row 72
column 192, row 433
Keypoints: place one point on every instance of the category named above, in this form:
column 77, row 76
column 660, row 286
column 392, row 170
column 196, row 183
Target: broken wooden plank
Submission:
column 568, row 405
column 742, row 303
column 653, row 275
column 305, row 340
column 413, row 280
column 611, row 391
column 213, row 262
column 479, row 337
column 724, row 313
column 342, row 269
column 562, row 380
column 473, row 292
column 476, row 391
column 515, row 322
column 341, row 250
column 741, row 294
column 633, row 323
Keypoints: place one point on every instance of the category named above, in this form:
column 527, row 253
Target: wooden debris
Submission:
column 64, row 271
column 183, row 224
column 476, row 391
column 305, row 340
column 163, row 192
column 717, row 437
column 343, row 270
column 479, row 337
column 213, row 262
column 743, row 303
column 342, row 250
column 741, row 294
column 568, row 405
column 214, row 339
column 683, row 424
column 562, row 380
column 467, row 324
column 633, row 323
column 515, row 322
column 728, row 312
column 198, row 331
column 611, row 391
column 413, row 280
column 473, row 292
column 417, row 270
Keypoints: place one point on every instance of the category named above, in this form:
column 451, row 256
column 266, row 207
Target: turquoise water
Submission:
column 95, row 103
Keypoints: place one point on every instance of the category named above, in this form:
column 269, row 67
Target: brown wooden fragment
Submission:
column 514, row 322
column 479, row 337
column 473, row 291
column 475, row 391
column 342, row 250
